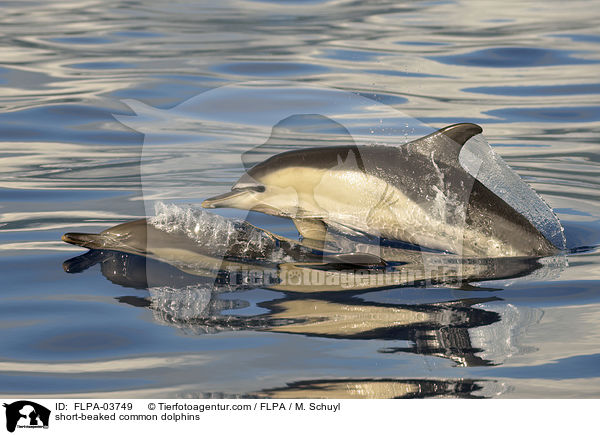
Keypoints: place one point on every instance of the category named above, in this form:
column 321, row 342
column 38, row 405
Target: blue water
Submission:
column 528, row 74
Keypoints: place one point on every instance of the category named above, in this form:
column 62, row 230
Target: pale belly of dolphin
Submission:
column 351, row 201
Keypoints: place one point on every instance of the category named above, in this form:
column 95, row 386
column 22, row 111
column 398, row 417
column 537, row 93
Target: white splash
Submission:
column 221, row 236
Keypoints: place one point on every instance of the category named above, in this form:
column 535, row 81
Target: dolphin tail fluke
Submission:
column 90, row 241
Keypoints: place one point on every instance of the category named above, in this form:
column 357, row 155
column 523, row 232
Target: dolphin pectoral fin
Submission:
column 347, row 261
column 360, row 259
column 314, row 229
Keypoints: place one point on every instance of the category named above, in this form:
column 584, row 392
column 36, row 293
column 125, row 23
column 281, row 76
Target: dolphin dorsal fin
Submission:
column 446, row 143
column 460, row 133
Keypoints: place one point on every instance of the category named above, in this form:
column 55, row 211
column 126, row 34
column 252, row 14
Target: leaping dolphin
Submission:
column 417, row 193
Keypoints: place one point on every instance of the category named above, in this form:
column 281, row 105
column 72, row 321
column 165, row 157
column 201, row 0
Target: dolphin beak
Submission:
column 230, row 199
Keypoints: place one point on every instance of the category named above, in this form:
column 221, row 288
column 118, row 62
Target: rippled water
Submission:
column 527, row 73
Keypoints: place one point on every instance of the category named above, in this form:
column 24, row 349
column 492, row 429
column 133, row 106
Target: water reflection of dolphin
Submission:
column 437, row 329
column 369, row 388
column 377, row 389
column 192, row 303
column 418, row 193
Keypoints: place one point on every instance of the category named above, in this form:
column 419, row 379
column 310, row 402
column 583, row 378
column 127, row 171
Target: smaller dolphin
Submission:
column 221, row 244
column 205, row 256
column 417, row 193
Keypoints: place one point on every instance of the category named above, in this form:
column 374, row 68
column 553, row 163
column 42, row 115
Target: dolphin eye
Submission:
column 258, row 188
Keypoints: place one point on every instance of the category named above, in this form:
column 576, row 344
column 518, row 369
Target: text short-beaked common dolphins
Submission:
column 417, row 193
